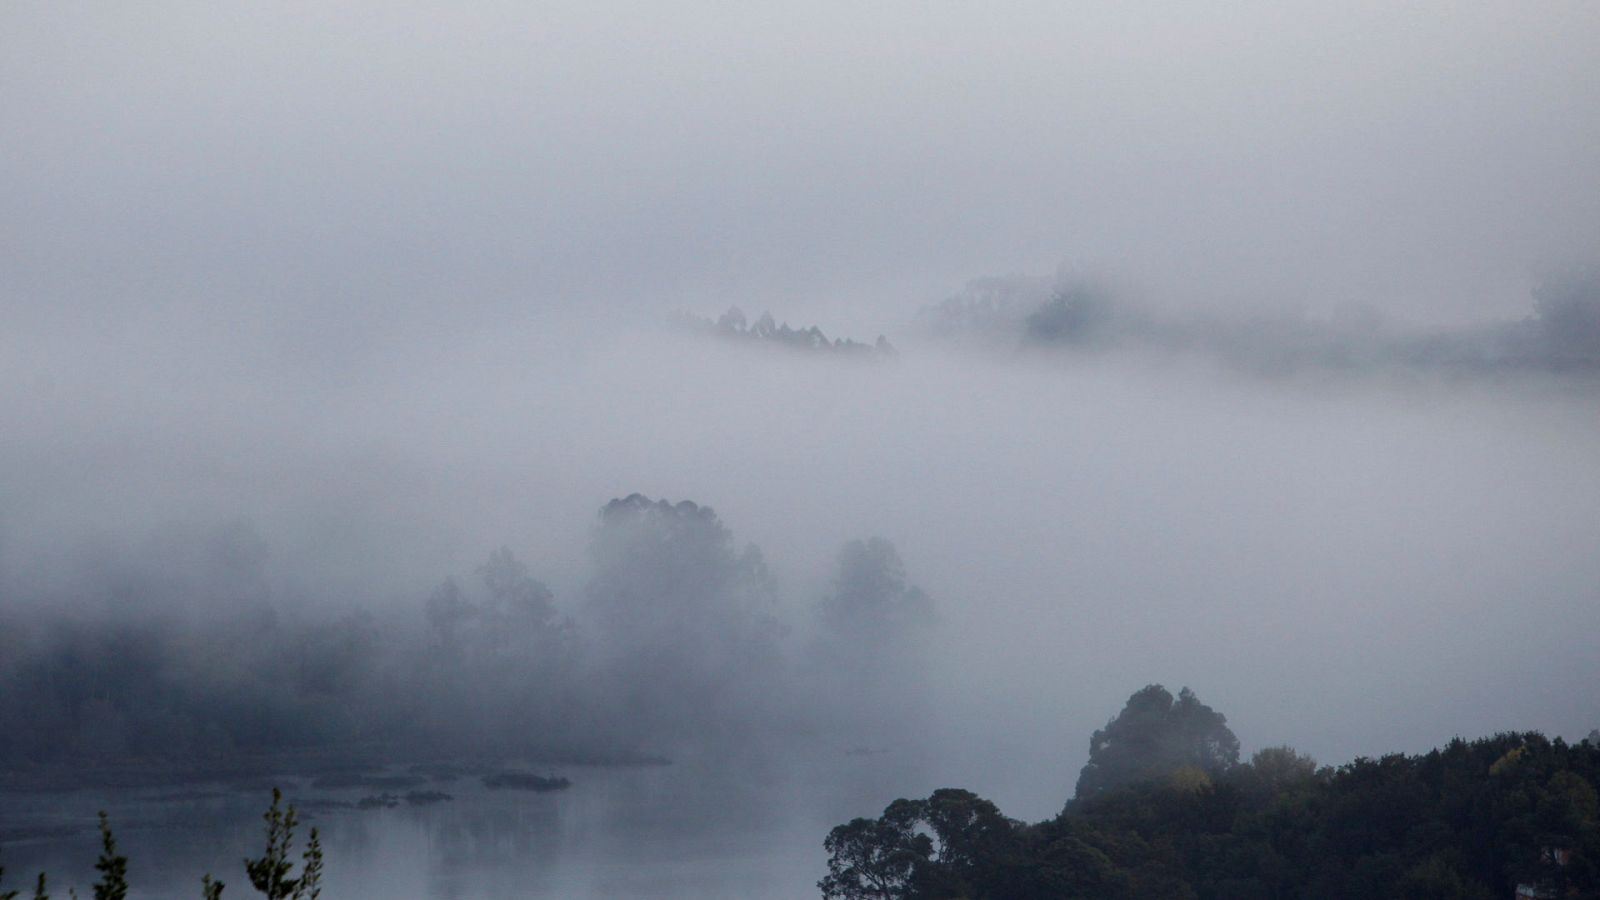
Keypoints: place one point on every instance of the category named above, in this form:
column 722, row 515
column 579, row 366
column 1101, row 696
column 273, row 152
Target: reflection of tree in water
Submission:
column 482, row 832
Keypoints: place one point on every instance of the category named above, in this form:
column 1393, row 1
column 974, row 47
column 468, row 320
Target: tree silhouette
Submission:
column 1154, row 737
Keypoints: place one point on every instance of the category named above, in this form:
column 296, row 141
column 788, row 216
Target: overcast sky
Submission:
column 345, row 163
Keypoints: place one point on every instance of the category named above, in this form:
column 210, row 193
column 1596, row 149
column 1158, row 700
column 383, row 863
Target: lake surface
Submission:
column 649, row 831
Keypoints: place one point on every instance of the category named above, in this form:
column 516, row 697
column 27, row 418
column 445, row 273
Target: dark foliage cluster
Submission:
column 1155, row 736
column 1473, row 819
column 733, row 325
column 679, row 638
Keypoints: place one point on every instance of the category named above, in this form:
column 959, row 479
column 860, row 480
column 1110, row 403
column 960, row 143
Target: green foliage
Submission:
column 1155, row 736
column 875, row 859
column 270, row 873
column 1506, row 761
column 210, row 889
column 113, row 868
column 310, row 887
column 939, row 847
column 1431, row 826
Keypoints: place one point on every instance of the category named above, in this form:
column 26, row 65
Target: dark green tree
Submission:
column 876, row 859
column 1155, row 736
column 972, row 842
column 270, row 873
column 113, row 868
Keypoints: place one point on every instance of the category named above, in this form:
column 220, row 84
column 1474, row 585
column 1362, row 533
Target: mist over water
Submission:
column 367, row 396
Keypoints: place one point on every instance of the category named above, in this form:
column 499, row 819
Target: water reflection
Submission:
column 656, row 831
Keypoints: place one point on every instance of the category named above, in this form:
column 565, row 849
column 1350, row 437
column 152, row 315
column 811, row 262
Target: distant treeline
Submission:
column 1560, row 334
column 679, row 640
column 1164, row 809
column 734, row 326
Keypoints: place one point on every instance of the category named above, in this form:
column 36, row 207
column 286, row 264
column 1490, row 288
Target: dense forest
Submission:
column 1166, row 809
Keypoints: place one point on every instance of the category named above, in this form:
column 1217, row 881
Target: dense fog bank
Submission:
column 1406, row 558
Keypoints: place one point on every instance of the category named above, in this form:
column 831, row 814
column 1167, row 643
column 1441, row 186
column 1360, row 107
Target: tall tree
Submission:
column 871, row 602
column 1155, row 736
column 681, row 619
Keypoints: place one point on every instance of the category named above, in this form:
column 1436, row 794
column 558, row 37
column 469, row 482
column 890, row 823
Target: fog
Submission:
column 310, row 310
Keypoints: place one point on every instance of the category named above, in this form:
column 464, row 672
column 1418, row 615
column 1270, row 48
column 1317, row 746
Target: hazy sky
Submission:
column 382, row 278
column 336, row 166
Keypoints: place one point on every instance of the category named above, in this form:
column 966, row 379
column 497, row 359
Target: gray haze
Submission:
column 311, row 307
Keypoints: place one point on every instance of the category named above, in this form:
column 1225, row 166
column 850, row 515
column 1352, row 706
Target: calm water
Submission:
column 662, row 831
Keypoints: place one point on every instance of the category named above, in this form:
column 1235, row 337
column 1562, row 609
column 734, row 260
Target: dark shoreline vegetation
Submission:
column 1165, row 809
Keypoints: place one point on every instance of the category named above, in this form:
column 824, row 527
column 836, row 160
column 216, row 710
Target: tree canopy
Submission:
column 1513, row 814
column 1154, row 737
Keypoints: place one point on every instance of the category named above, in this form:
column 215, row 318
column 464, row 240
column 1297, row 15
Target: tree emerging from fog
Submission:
column 733, row 325
column 1155, row 736
column 872, row 605
column 682, row 620
column 499, row 669
column 870, row 649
